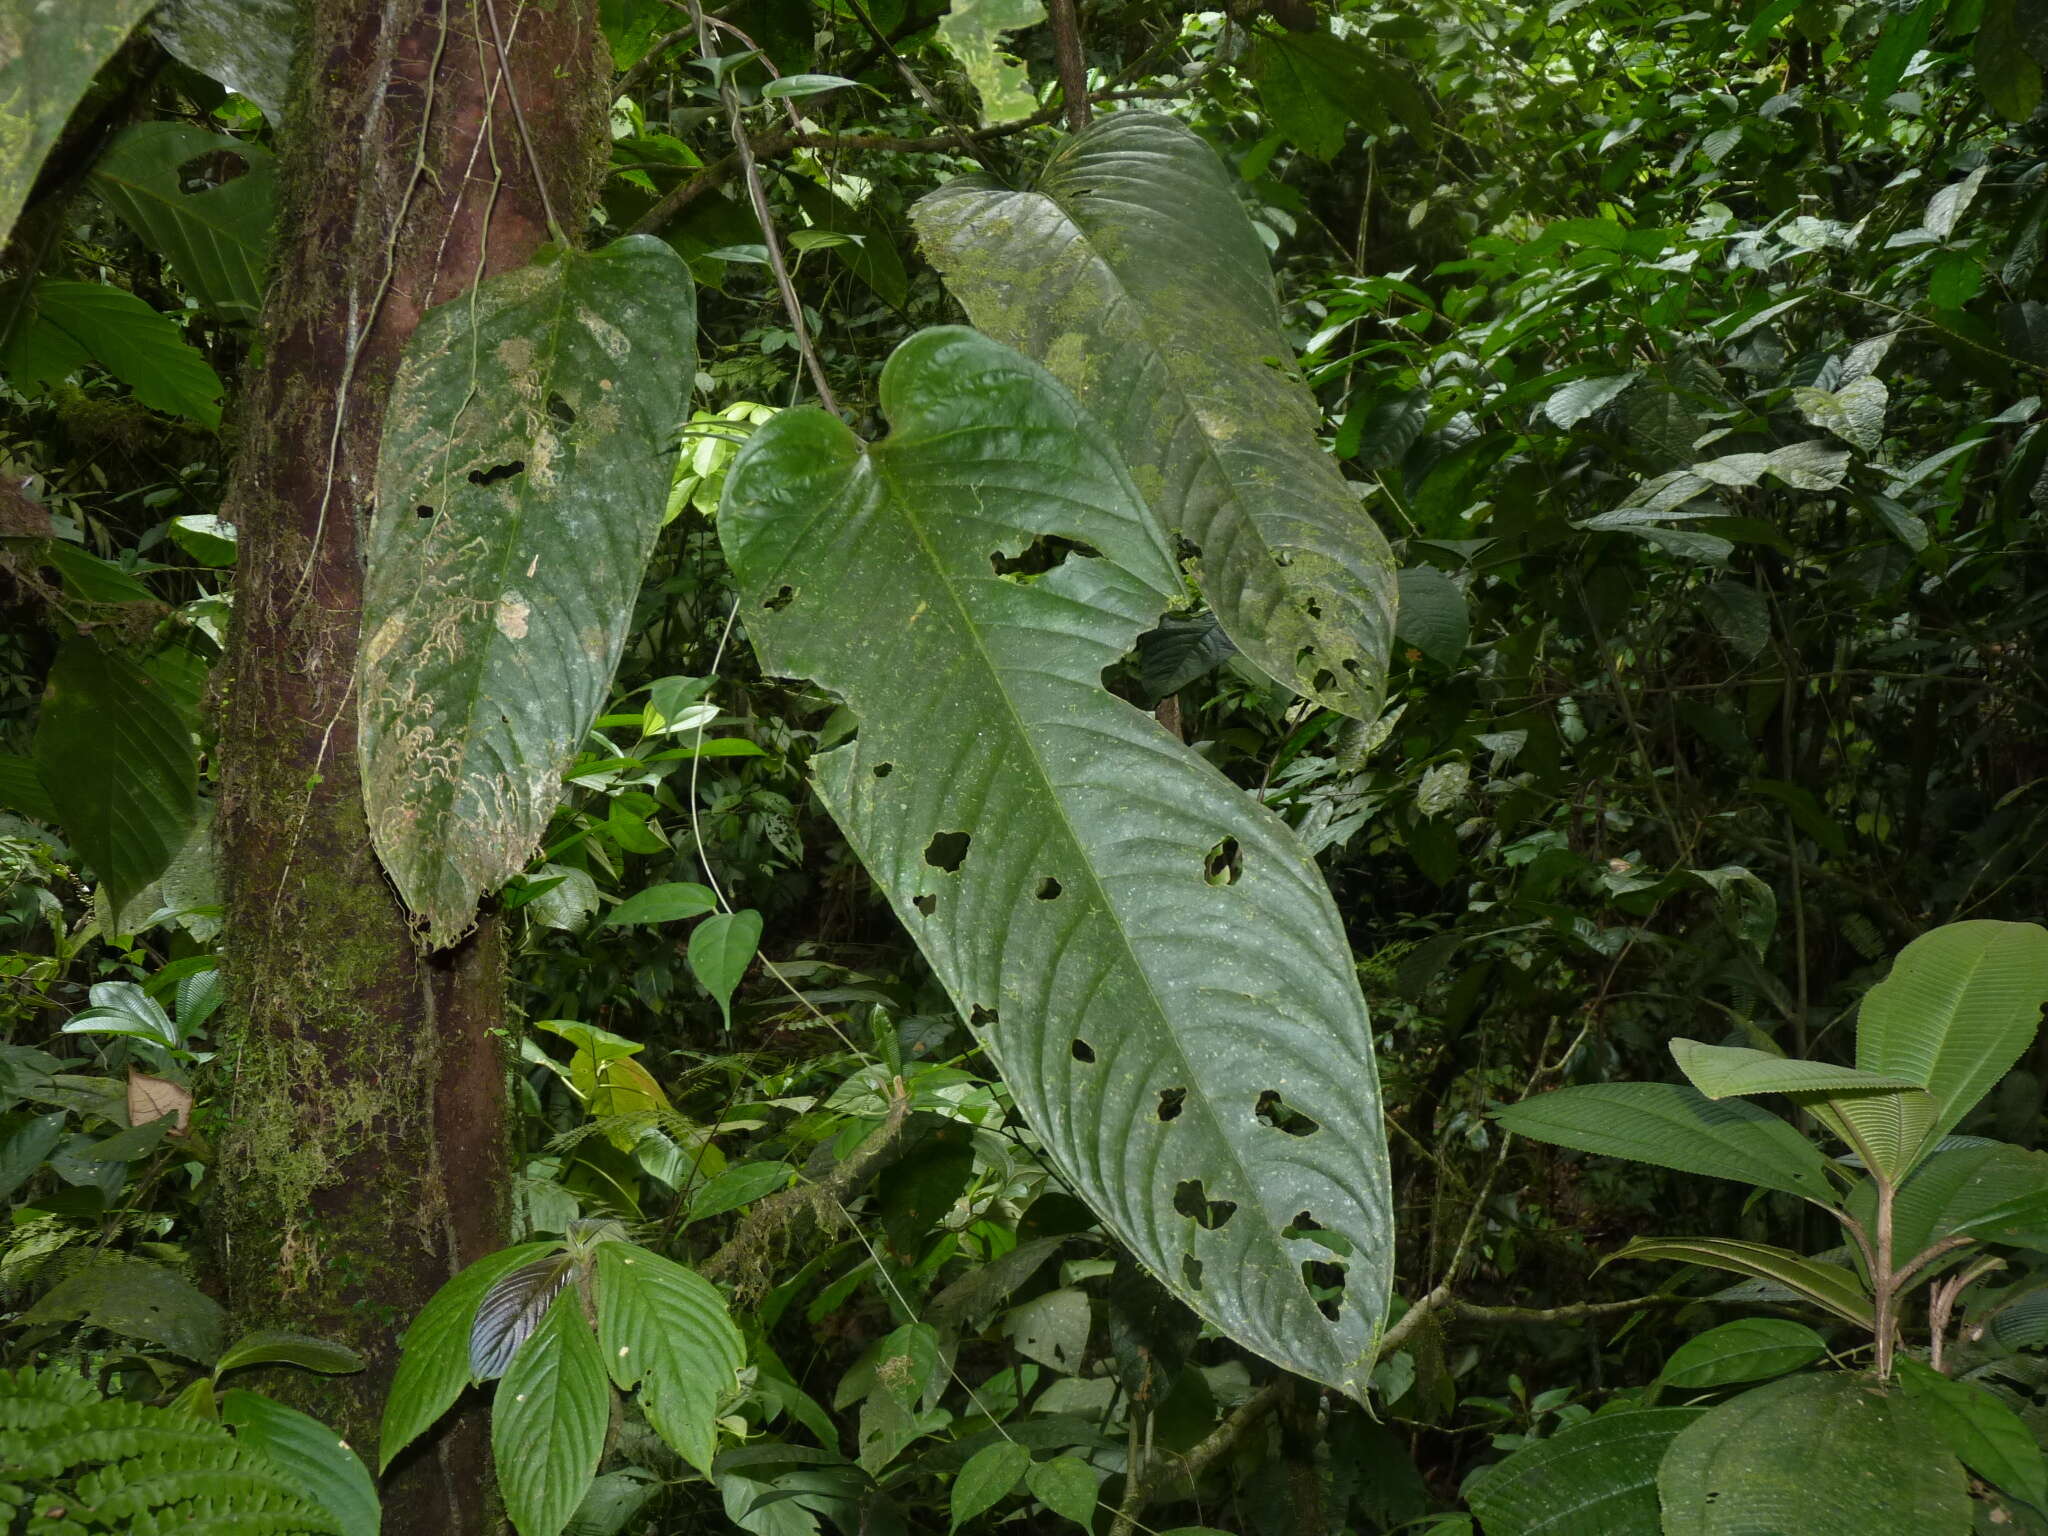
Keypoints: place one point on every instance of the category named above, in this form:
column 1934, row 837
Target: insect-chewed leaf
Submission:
column 1154, row 961
column 1130, row 269
column 217, row 239
column 521, row 483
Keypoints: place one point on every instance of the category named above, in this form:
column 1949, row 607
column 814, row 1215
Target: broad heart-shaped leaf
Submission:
column 1723, row 1071
column 524, row 467
column 1960, row 1005
column 1678, row 1127
column 1818, row 1455
column 1596, row 1478
column 548, row 1420
column 217, row 239
column 117, row 759
column 315, row 1460
column 666, row 1330
column 48, row 56
column 433, row 1362
column 1131, row 270
column 69, row 324
column 1149, row 955
column 1825, row 1285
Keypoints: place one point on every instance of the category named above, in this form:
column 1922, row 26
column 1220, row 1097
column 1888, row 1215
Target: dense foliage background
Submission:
column 1692, row 360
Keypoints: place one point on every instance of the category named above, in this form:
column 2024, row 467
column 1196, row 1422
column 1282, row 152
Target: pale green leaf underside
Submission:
column 1819, row 1455
column 1131, row 270
column 1675, row 1127
column 521, row 483
column 1723, row 1071
column 1960, row 1005
column 1081, row 932
column 48, row 56
column 217, row 240
column 1596, row 1478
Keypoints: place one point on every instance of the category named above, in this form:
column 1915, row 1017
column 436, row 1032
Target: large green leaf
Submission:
column 521, row 483
column 665, row 1329
column 1748, row 1349
column 1596, row 1478
column 48, row 56
column 1960, row 1005
column 1826, row 1285
column 217, row 239
column 548, row 1420
column 1130, row 269
column 1151, row 958
column 117, row 759
column 67, row 325
column 1820, row 1455
column 1678, row 1127
column 1987, row 1437
column 1723, row 1071
column 244, row 44
column 315, row 1460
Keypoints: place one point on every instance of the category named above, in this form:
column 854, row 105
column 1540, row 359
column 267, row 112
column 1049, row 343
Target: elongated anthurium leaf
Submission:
column 520, row 486
column 665, row 1330
column 433, row 1366
column 217, row 239
column 1825, row 1285
column 1829, row 1454
column 116, row 757
column 313, row 1458
column 548, row 1420
column 1155, row 964
column 1596, row 1478
column 48, row 56
column 1959, row 1007
column 1723, row 1071
column 1678, row 1127
column 1130, row 269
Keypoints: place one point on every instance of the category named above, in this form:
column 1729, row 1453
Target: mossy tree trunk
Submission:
column 364, row 1160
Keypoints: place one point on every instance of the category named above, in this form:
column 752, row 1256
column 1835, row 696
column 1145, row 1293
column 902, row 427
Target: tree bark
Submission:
column 364, row 1158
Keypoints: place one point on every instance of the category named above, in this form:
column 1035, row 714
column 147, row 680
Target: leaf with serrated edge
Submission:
column 1675, row 1127
column 666, row 1330
column 548, row 1420
column 1825, row 1285
column 1131, row 270
column 520, row 485
column 433, row 1362
column 1089, row 925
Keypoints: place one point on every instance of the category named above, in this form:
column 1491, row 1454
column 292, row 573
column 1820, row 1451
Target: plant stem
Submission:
column 1883, row 1284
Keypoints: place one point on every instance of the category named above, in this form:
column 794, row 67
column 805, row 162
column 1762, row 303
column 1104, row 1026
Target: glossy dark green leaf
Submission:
column 315, row 1460
column 548, row 1420
column 21, row 788
column 1748, row 1349
column 1179, row 652
column 1433, row 615
column 68, row 324
column 1678, row 1127
column 48, row 56
column 1820, row 1455
column 524, row 468
column 1130, row 269
column 1150, row 956
column 118, row 761
column 217, row 238
column 271, row 1346
column 1594, row 1478
column 433, row 1365
column 721, row 949
column 665, row 1330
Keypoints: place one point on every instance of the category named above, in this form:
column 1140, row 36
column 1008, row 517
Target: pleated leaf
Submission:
column 524, row 469
column 1677, row 1127
column 1131, row 270
column 1820, row 1455
column 666, row 1330
column 48, row 56
column 1153, row 961
column 548, row 1421
column 216, row 239
column 1959, row 1007
column 1723, row 1071
column 1826, row 1285
column 1596, row 1478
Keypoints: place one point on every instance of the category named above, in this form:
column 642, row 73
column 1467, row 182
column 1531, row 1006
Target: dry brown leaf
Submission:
column 152, row 1098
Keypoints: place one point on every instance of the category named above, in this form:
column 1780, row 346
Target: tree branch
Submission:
column 1071, row 62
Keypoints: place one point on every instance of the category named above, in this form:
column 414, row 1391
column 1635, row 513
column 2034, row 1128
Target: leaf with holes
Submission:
column 524, row 468
column 1153, row 960
column 117, row 760
column 1130, row 269
column 216, row 238
column 48, row 57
